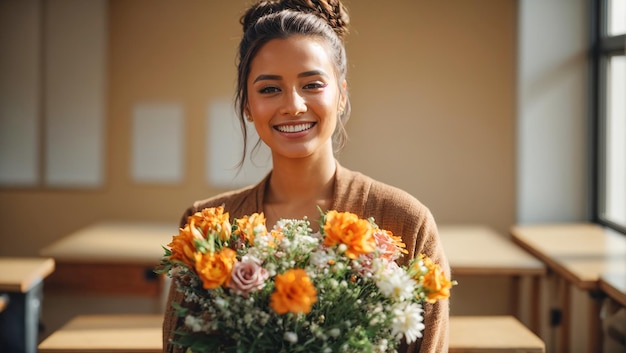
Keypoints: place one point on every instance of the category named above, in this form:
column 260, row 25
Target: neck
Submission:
column 307, row 179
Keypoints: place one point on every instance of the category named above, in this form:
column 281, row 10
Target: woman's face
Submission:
column 293, row 97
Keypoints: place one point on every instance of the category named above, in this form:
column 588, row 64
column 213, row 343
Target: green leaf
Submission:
column 180, row 310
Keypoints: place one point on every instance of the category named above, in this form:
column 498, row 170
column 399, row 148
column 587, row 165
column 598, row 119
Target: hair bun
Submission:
column 332, row 11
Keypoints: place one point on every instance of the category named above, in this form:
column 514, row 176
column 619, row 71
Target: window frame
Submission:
column 603, row 47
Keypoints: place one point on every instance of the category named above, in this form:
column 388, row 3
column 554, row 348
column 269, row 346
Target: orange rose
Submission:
column 212, row 219
column 347, row 228
column 435, row 282
column 249, row 227
column 294, row 292
column 183, row 247
column 214, row 269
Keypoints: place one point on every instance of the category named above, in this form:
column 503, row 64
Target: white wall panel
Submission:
column 19, row 92
column 75, row 92
column 224, row 148
column 158, row 143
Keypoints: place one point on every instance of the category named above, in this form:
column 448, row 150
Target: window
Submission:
column 609, row 112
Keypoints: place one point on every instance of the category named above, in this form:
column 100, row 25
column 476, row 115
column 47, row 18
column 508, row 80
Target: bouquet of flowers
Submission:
column 286, row 289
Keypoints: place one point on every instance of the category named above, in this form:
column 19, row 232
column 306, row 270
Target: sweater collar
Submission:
column 342, row 195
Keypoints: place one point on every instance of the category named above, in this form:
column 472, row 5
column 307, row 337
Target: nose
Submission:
column 294, row 103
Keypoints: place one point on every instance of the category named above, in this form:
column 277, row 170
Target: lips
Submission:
column 294, row 128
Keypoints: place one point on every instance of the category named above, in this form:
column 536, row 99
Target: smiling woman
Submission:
column 292, row 86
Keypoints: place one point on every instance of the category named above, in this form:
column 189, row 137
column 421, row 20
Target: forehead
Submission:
column 294, row 54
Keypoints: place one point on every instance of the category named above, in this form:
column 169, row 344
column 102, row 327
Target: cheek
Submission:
column 260, row 109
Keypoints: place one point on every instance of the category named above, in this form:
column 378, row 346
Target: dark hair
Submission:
column 267, row 20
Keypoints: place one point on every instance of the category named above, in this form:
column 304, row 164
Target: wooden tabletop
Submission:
column 479, row 250
column 495, row 334
column 114, row 242
column 142, row 333
column 579, row 252
column 20, row 274
column 137, row 333
column 614, row 285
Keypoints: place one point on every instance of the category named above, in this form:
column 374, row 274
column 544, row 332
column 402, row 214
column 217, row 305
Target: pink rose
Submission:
column 247, row 276
column 386, row 245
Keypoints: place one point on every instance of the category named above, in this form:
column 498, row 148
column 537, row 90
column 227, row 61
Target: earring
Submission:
column 249, row 118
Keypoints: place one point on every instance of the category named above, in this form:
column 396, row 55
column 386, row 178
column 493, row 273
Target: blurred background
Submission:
column 114, row 110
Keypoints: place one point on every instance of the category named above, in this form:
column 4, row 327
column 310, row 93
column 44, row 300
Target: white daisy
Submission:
column 408, row 321
column 396, row 284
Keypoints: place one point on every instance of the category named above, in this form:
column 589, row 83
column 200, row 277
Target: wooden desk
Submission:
column 579, row 254
column 21, row 281
column 480, row 251
column 143, row 334
column 494, row 334
column 107, row 334
column 121, row 255
column 614, row 285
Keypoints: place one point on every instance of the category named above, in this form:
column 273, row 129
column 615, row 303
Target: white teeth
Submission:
column 294, row 128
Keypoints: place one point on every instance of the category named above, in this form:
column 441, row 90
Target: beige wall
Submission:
column 432, row 87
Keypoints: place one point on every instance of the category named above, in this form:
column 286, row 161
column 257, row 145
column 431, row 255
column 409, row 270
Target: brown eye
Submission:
column 269, row 90
column 315, row 85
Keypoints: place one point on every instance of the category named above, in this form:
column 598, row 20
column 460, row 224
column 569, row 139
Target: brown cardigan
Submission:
column 392, row 209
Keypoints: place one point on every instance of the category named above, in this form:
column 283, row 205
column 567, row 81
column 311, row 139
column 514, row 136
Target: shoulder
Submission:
column 392, row 208
column 379, row 195
column 395, row 210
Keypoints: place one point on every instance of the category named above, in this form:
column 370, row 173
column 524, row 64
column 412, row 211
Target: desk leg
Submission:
column 566, row 302
column 19, row 322
column 535, row 299
column 595, row 321
column 515, row 296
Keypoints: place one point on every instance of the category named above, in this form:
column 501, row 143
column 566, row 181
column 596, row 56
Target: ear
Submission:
column 246, row 114
column 343, row 95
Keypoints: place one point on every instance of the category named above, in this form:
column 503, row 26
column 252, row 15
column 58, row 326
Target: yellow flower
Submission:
column 347, row 228
column 277, row 237
column 214, row 268
column 294, row 292
column 212, row 219
column 435, row 282
column 183, row 247
column 249, row 227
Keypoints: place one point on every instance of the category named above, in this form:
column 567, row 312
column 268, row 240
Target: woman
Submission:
column 292, row 86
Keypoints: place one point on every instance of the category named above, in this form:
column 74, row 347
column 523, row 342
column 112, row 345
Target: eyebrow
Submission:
column 303, row 74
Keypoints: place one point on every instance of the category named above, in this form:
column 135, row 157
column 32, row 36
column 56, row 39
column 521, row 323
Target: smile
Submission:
column 294, row 128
